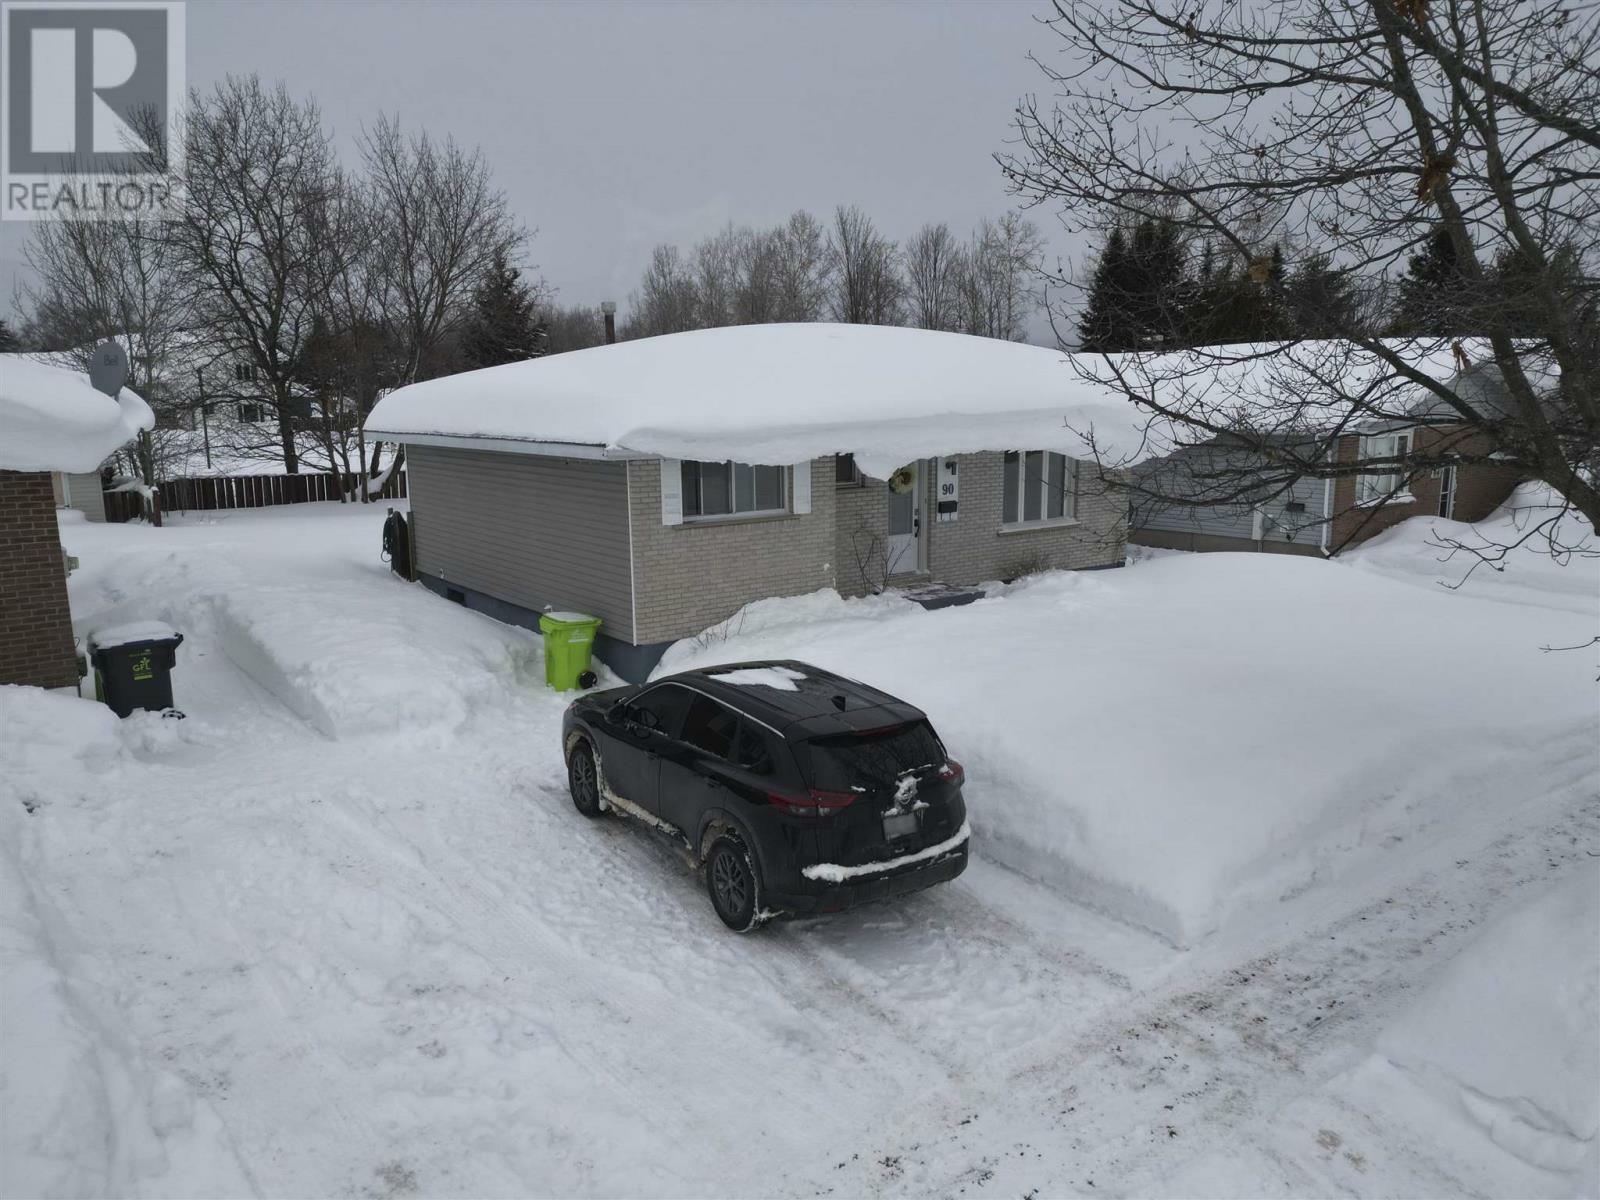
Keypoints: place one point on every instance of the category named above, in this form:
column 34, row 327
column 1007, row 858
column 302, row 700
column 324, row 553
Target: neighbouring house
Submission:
column 80, row 490
column 662, row 484
column 52, row 422
column 1324, row 516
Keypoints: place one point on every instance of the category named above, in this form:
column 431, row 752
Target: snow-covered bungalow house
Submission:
column 664, row 483
column 53, row 423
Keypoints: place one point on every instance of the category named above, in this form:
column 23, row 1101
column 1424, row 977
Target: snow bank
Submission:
column 1509, row 1033
column 1530, row 574
column 1179, row 740
column 778, row 394
column 82, row 1112
column 52, row 418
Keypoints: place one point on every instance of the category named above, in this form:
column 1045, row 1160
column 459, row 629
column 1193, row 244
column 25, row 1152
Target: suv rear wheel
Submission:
column 583, row 780
column 734, row 884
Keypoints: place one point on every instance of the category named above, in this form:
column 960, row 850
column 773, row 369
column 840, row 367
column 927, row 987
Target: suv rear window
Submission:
column 841, row 761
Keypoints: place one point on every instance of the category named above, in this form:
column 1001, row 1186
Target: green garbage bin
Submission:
column 568, row 643
column 133, row 665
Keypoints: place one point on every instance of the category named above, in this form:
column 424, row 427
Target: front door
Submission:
column 903, row 555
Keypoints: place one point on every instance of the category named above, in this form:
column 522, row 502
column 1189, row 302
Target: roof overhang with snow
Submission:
column 53, row 419
column 771, row 394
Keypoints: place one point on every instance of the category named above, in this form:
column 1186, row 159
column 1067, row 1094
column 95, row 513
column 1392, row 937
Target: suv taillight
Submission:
column 814, row 803
column 953, row 772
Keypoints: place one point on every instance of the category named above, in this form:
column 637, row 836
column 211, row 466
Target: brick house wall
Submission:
column 692, row 575
column 861, row 522
column 974, row 549
column 1479, row 489
column 36, row 644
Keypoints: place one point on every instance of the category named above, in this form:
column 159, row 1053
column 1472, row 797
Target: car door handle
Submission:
column 714, row 782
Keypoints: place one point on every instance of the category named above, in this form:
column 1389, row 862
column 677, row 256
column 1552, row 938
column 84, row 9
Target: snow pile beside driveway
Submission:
column 1508, row 1035
column 353, row 653
column 1185, row 738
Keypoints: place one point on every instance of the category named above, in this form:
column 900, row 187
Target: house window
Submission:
column 1447, row 492
column 845, row 471
column 1386, row 482
column 244, row 372
column 252, row 413
column 1038, row 487
column 727, row 489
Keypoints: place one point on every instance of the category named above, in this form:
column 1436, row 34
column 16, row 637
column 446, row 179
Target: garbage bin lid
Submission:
column 133, row 633
column 573, row 618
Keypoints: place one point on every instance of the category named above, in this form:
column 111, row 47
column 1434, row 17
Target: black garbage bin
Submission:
column 133, row 666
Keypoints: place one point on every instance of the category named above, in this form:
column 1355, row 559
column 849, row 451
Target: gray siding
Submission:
column 84, row 492
column 1238, row 521
column 532, row 530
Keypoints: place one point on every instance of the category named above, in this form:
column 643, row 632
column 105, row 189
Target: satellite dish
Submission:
column 108, row 368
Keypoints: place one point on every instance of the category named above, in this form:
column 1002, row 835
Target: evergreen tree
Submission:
column 1433, row 298
column 502, row 327
column 1141, row 289
column 9, row 342
column 1322, row 301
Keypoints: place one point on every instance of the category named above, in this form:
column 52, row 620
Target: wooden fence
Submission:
column 203, row 492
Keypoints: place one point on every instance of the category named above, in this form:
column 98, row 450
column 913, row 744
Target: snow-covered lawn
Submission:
column 1270, row 855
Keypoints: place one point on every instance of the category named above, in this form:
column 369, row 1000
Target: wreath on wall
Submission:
column 903, row 480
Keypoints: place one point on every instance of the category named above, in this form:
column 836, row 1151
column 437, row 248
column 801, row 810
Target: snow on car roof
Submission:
column 53, row 419
column 775, row 394
column 782, row 679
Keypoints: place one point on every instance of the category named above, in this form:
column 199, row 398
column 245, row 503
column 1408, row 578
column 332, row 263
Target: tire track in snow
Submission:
column 1142, row 1090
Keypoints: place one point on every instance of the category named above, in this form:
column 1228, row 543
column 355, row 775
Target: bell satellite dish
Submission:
column 108, row 368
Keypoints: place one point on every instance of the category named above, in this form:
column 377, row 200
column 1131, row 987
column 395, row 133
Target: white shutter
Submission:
column 671, row 491
column 802, row 486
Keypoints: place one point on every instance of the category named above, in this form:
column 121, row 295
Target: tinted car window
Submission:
column 753, row 751
column 840, row 762
column 662, row 708
column 710, row 726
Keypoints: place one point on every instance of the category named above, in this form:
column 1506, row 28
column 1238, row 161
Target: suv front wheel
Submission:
column 734, row 884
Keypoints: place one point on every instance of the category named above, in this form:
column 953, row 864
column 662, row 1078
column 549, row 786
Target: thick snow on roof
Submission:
column 778, row 394
column 52, row 418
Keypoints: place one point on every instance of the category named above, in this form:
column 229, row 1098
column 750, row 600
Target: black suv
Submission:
column 798, row 790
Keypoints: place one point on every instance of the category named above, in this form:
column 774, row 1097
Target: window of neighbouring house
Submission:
column 244, row 372
column 726, row 489
column 252, row 412
column 845, row 471
column 1447, row 492
column 1037, row 487
column 1385, row 482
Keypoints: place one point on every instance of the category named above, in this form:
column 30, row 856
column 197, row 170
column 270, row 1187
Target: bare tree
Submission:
column 717, row 276
column 667, row 300
column 443, row 225
column 572, row 327
column 998, row 279
column 867, row 288
column 1359, row 128
column 113, row 280
column 260, row 173
column 801, row 269
column 933, row 274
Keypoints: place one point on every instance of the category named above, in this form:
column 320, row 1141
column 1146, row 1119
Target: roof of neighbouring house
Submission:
column 774, row 394
column 53, row 419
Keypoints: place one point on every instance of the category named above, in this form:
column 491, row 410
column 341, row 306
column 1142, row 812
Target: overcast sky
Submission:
column 612, row 127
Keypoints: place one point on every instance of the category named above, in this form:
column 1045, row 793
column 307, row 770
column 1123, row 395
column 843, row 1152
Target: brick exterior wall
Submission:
column 861, row 521
column 973, row 549
column 35, row 623
column 689, row 576
column 1479, row 490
